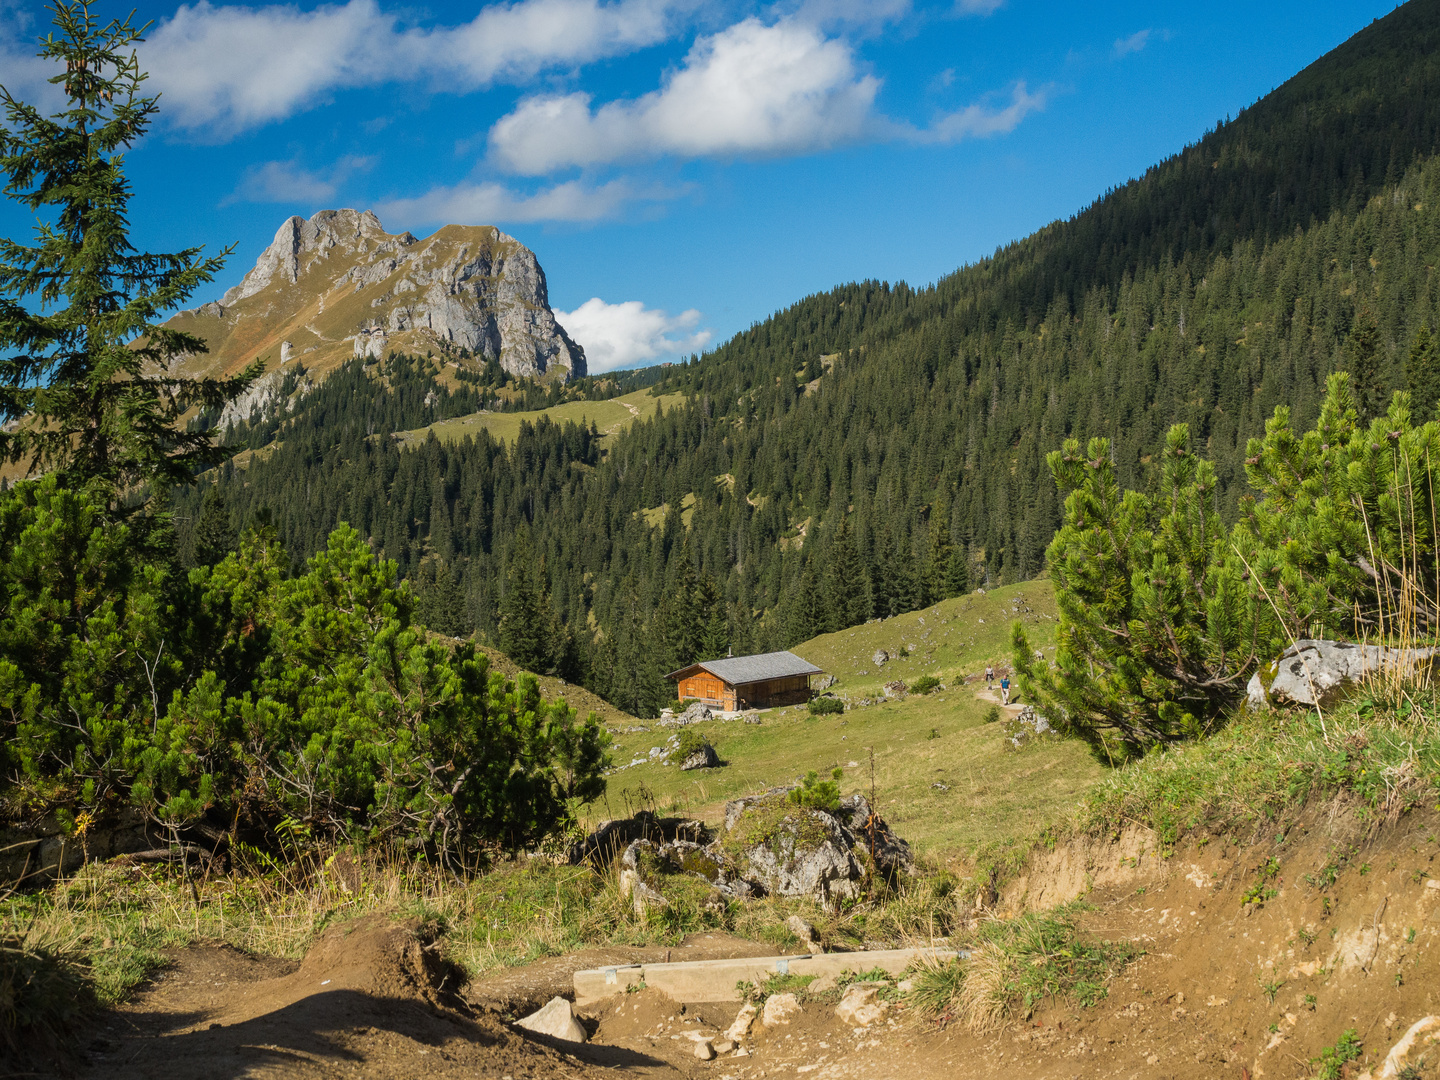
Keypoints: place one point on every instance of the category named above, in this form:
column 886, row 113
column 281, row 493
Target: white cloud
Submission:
column 23, row 73
column 629, row 334
column 1132, row 44
column 982, row 120
column 226, row 69
column 286, row 182
column 489, row 202
column 750, row 89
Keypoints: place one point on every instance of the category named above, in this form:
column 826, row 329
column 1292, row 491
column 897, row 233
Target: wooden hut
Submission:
column 747, row 682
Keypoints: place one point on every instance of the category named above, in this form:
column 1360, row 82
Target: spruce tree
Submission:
column 937, row 582
column 85, row 366
column 1422, row 375
column 215, row 534
column 1362, row 359
column 523, row 622
column 847, row 583
column 715, row 638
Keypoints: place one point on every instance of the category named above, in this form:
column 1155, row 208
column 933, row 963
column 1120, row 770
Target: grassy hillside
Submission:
column 945, row 779
column 609, row 417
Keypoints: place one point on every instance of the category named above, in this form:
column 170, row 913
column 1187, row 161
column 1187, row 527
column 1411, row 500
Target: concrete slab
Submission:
column 716, row 980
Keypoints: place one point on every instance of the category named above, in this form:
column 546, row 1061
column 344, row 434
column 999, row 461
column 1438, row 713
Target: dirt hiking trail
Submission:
column 1259, row 951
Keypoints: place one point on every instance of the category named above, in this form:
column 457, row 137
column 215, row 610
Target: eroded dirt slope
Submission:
column 1259, row 951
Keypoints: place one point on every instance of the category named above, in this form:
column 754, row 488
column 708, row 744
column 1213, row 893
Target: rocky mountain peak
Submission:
column 338, row 285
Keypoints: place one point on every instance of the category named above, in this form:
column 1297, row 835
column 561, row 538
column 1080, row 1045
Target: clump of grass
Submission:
column 1016, row 964
column 925, row 685
column 44, row 992
column 1384, row 754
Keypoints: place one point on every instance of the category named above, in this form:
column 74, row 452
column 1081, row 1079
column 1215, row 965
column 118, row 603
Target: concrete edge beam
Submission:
column 716, row 980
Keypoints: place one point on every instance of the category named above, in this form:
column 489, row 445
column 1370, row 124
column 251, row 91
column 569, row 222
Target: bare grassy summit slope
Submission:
column 339, row 285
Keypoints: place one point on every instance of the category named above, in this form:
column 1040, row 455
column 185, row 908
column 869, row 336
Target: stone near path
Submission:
column 739, row 1030
column 556, row 1020
column 860, row 1006
column 780, row 1009
column 805, row 932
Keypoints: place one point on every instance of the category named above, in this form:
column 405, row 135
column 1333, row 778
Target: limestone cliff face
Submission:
column 338, row 285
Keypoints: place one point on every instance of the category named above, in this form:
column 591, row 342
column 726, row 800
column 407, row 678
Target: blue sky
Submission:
column 681, row 168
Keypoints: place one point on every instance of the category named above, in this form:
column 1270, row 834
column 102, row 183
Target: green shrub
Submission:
column 925, row 684
column 993, row 714
column 691, row 742
column 816, row 794
column 242, row 690
column 826, row 706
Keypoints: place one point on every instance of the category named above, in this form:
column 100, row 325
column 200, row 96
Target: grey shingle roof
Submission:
column 739, row 670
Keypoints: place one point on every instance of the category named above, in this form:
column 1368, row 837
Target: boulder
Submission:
column 739, row 1030
column 805, row 932
column 880, row 657
column 704, row 1049
column 704, row 758
column 824, row 682
column 1312, row 672
column 804, row 853
column 779, row 1009
column 603, row 845
column 892, row 855
column 860, row 1006
column 896, row 689
column 694, row 713
column 556, row 1020
column 768, row 846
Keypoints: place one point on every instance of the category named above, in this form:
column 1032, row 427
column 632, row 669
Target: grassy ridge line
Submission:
column 609, row 416
column 986, row 793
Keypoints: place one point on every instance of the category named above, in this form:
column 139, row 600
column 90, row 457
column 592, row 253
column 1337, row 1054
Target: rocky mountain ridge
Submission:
column 338, row 286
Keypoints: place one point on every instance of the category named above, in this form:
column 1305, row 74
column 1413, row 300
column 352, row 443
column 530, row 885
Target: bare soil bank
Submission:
column 1260, row 950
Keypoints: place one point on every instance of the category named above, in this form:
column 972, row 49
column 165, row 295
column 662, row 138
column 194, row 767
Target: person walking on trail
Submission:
column 989, row 677
column 1005, row 690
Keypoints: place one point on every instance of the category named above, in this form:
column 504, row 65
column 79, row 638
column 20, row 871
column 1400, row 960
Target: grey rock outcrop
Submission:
column 703, row 758
column 767, row 846
column 370, row 343
column 265, row 395
column 612, row 838
column 324, row 280
column 1314, row 672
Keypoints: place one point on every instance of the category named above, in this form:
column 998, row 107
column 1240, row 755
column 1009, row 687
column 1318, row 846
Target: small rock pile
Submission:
column 1026, row 727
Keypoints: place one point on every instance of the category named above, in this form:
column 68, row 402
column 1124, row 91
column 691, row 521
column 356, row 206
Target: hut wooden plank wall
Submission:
column 764, row 681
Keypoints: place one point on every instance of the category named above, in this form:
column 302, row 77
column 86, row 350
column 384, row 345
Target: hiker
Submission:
column 989, row 677
column 1005, row 690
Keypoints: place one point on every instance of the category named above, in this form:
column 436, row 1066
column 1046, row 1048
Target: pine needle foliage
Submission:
column 85, row 365
column 1164, row 614
column 1157, row 629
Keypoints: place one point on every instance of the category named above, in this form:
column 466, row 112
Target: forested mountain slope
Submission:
column 875, row 448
